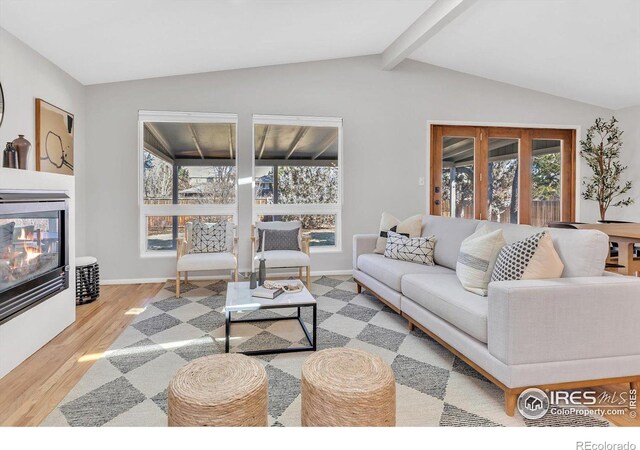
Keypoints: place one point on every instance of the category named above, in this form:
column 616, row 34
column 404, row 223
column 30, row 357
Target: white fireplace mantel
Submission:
column 23, row 335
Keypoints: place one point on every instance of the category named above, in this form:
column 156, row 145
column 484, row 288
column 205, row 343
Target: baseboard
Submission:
column 318, row 273
column 160, row 280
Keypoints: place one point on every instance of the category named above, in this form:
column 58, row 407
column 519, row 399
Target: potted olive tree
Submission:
column 601, row 152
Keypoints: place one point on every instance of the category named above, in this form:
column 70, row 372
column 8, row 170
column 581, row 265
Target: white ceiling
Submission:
column 114, row 40
column 587, row 50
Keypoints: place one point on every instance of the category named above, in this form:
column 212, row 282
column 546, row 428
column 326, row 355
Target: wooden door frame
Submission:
column 526, row 133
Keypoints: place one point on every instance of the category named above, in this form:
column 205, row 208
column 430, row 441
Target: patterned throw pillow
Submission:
column 411, row 227
column 529, row 259
column 477, row 258
column 279, row 239
column 418, row 249
column 210, row 237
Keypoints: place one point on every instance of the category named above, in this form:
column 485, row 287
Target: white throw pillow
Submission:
column 533, row 258
column 411, row 227
column 477, row 257
column 418, row 250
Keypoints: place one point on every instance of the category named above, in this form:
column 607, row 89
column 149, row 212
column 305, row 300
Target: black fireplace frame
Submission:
column 24, row 296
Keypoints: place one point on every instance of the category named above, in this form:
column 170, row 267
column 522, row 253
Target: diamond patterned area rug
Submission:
column 127, row 386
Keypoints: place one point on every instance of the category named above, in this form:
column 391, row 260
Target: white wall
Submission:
column 385, row 149
column 630, row 123
column 26, row 75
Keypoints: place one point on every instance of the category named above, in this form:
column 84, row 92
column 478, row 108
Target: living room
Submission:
column 170, row 148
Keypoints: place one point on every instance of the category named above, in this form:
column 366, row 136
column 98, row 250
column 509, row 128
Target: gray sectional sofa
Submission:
column 576, row 331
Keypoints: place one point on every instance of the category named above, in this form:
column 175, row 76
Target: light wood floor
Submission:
column 33, row 389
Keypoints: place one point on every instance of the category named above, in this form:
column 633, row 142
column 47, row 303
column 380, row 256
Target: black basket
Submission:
column 87, row 283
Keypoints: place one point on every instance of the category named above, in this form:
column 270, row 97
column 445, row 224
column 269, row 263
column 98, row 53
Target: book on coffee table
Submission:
column 263, row 292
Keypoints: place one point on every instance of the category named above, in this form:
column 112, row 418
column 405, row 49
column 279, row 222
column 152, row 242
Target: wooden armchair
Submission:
column 187, row 261
column 281, row 259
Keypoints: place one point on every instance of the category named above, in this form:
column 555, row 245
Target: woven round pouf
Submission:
column 345, row 387
column 227, row 390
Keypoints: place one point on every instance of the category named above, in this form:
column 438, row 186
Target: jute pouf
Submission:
column 345, row 387
column 227, row 390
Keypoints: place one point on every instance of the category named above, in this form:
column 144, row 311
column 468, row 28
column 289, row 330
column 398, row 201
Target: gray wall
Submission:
column 26, row 75
column 385, row 148
column 630, row 123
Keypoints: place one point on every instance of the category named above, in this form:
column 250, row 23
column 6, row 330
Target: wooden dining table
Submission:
column 626, row 235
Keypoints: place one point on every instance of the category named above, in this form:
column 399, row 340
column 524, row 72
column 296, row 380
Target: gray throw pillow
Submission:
column 279, row 239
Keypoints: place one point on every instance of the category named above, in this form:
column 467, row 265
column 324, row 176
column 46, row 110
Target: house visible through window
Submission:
column 297, row 174
column 188, row 170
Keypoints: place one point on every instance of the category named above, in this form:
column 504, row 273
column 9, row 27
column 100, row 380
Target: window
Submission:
column 545, row 182
column 509, row 175
column 188, row 172
column 298, row 173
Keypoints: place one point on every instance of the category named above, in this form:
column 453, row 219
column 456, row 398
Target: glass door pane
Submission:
column 545, row 181
column 502, row 180
column 457, row 176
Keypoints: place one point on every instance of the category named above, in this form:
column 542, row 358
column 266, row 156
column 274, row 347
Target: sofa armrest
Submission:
column 563, row 319
column 363, row 243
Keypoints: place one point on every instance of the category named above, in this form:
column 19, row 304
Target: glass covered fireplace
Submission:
column 33, row 249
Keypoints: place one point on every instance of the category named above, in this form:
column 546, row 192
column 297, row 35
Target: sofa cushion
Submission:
column 512, row 232
column 390, row 271
column 284, row 258
column 583, row 252
column 449, row 235
column 206, row 261
column 444, row 296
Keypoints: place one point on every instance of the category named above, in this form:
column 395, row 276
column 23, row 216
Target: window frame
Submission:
column 145, row 210
column 526, row 133
column 302, row 208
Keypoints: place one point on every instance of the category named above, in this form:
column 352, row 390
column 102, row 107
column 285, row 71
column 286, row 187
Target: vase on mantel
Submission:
column 22, row 146
column 10, row 157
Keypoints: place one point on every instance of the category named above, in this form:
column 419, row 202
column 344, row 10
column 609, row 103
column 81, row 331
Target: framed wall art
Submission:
column 54, row 139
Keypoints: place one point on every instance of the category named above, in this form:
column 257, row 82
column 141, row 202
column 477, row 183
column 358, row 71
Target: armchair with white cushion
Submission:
column 192, row 259
column 283, row 259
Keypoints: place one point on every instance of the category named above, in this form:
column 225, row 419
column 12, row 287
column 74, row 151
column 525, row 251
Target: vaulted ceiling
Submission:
column 586, row 50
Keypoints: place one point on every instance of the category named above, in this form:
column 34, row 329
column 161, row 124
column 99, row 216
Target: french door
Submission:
column 515, row 175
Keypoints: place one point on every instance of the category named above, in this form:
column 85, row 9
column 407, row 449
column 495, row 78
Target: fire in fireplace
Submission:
column 33, row 249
